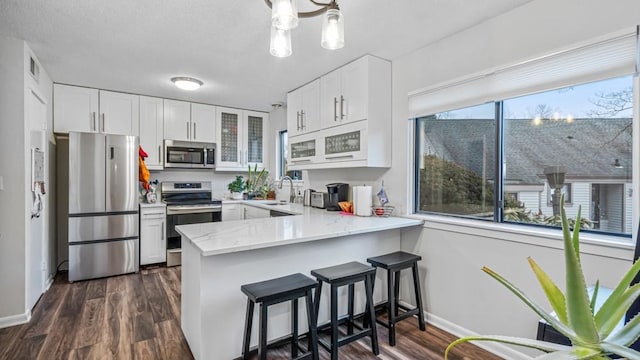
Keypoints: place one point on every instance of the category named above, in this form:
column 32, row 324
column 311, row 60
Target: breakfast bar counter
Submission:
column 217, row 258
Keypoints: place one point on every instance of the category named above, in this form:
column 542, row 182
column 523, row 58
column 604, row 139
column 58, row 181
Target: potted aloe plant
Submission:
column 593, row 334
column 236, row 187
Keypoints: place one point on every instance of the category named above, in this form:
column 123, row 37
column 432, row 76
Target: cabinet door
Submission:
column 355, row 96
column 346, row 143
column 255, row 125
column 303, row 150
column 229, row 133
column 203, row 123
column 231, row 212
column 153, row 247
column 310, row 114
column 177, row 120
column 119, row 113
column 294, row 105
column 251, row 212
column 151, row 130
column 330, row 92
column 75, row 109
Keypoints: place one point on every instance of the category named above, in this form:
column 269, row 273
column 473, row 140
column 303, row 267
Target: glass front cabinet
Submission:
column 241, row 135
column 350, row 143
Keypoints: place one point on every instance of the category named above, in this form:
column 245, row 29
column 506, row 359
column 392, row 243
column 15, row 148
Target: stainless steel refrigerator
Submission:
column 102, row 216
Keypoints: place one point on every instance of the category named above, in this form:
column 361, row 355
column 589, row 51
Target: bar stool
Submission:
column 274, row 291
column 394, row 263
column 340, row 275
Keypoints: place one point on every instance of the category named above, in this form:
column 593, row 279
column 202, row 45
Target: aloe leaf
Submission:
column 555, row 296
column 621, row 350
column 594, row 296
column 576, row 353
column 614, row 314
column 534, row 344
column 555, row 323
column 613, row 301
column 578, row 302
column 627, row 335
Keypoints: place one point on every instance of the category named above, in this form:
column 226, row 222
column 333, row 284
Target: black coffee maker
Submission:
column 337, row 192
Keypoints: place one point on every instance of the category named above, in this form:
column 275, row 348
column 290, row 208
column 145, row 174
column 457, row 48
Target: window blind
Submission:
column 609, row 56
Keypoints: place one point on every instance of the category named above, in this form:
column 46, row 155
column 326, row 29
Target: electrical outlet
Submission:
column 1, row 182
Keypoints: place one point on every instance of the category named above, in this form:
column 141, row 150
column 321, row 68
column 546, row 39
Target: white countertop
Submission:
column 309, row 224
column 154, row 205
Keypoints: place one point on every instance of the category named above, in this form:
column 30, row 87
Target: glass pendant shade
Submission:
column 284, row 14
column 280, row 42
column 333, row 30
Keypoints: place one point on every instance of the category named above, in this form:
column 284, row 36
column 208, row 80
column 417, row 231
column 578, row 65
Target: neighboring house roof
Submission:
column 587, row 148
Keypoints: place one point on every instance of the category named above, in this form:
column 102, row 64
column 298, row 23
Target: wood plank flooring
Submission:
column 137, row 316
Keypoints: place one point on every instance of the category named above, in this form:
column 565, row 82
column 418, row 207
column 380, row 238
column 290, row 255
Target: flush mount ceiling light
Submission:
column 285, row 15
column 187, row 83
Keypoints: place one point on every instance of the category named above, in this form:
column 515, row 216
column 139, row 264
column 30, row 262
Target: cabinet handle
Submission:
column 298, row 120
column 160, row 154
column 164, row 236
column 302, row 119
column 240, row 157
column 341, row 107
column 194, row 131
column 187, row 130
column 103, row 121
column 335, row 109
column 94, row 122
column 339, row 157
column 246, row 157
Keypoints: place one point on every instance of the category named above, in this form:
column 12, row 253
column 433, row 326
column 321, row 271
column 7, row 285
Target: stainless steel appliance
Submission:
column 189, row 155
column 319, row 199
column 187, row 203
column 307, row 196
column 100, row 176
column 337, row 192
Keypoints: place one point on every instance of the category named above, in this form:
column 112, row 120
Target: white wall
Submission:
column 455, row 289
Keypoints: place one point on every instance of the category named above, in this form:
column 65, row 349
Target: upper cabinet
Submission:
column 203, row 123
column 303, row 109
column 241, row 139
column 189, row 121
column 91, row 110
column 151, row 130
column 355, row 119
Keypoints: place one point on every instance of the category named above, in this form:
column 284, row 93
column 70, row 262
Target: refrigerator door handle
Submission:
column 112, row 152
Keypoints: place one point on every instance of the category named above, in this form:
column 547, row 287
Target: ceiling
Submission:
column 137, row 46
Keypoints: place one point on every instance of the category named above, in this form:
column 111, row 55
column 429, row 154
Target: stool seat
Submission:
column 395, row 260
column 282, row 287
column 343, row 272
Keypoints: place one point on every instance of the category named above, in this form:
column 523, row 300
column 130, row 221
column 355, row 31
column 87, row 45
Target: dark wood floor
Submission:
column 137, row 316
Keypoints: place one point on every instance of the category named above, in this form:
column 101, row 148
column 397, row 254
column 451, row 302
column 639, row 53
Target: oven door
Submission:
column 183, row 155
column 188, row 215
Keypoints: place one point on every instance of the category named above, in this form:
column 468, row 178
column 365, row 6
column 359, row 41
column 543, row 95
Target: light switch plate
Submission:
column 1, row 182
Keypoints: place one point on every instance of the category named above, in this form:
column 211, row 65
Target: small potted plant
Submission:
column 236, row 187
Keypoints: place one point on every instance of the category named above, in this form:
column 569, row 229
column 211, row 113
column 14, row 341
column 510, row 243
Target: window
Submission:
column 283, row 157
column 502, row 161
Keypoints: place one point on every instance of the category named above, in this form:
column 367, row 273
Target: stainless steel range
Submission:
column 187, row 203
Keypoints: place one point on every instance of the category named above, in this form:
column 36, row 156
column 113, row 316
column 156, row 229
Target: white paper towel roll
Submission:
column 362, row 200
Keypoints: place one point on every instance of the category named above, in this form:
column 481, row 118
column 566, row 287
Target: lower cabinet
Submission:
column 153, row 239
column 232, row 211
column 251, row 212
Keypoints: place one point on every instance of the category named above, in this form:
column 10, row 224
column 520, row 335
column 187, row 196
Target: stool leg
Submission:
column 334, row 322
column 396, row 290
column 313, row 332
column 416, row 285
column 294, row 328
column 391, row 305
column 262, row 342
column 316, row 307
column 365, row 320
column 372, row 314
column 350, row 322
column 248, row 323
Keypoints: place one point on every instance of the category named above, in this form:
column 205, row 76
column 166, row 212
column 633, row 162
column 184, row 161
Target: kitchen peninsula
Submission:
column 219, row 257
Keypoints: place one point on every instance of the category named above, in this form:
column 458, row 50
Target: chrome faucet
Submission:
column 291, row 193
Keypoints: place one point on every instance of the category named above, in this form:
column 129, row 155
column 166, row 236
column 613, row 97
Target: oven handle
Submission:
column 198, row 210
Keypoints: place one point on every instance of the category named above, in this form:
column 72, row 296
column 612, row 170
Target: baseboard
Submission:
column 15, row 319
column 496, row 348
column 49, row 282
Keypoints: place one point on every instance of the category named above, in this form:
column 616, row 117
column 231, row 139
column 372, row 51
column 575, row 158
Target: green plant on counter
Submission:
column 593, row 334
column 237, row 185
column 255, row 179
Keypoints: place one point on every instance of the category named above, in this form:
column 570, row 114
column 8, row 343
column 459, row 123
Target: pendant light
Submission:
column 280, row 45
column 284, row 14
column 333, row 30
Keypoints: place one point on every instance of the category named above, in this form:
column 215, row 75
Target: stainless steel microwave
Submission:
column 189, row 155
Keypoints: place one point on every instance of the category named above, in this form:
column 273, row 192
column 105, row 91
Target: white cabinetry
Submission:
column 91, row 110
column 241, row 138
column 251, row 212
column 151, row 130
column 355, row 108
column 303, row 109
column 232, row 211
column 203, row 123
column 153, row 240
column 177, row 120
